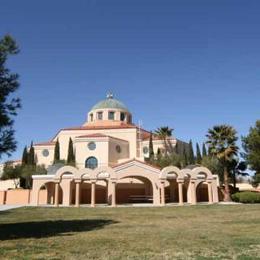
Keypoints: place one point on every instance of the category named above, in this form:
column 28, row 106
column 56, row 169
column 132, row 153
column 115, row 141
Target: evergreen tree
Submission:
column 70, row 157
column 151, row 152
column 191, row 157
column 198, row 154
column 8, row 104
column 185, row 157
column 31, row 155
column 25, row 156
column 56, row 152
column 204, row 150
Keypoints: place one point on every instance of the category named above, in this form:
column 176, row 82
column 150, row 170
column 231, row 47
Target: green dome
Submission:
column 110, row 102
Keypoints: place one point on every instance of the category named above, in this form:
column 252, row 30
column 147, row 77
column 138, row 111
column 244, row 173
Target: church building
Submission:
column 110, row 165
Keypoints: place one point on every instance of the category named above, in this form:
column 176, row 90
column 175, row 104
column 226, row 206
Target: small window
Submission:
column 118, row 148
column 100, row 115
column 111, row 115
column 45, row 153
column 91, row 162
column 91, row 146
column 91, row 117
column 145, row 150
column 122, row 116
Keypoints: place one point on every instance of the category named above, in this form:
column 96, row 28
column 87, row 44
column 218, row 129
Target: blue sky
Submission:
column 186, row 64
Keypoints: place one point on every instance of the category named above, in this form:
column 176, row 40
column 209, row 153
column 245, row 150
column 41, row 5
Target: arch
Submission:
column 196, row 171
column 85, row 172
column 165, row 171
column 104, row 169
column 189, row 173
column 50, row 193
column 64, row 170
column 137, row 189
column 91, row 162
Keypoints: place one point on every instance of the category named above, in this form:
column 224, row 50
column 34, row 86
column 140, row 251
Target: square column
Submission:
column 113, row 204
column 93, row 193
column 180, row 190
column 210, row 192
column 77, row 194
column 56, row 198
column 162, row 194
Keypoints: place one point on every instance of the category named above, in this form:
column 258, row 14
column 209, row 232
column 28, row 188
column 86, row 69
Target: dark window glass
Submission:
column 100, row 115
column 111, row 115
column 122, row 116
column 91, row 117
column 91, row 163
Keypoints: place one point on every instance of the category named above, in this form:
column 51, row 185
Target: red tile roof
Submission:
column 97, row 135
column 45, row 143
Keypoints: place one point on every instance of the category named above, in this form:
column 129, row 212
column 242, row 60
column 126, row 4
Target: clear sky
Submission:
column 186, row 64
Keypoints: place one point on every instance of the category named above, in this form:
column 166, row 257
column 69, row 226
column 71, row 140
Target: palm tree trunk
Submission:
column 226, row 184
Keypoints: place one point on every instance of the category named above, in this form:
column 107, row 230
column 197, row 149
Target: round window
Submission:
column 91, row 146
column 145, row 150
column 45, row 153
column 118, row 148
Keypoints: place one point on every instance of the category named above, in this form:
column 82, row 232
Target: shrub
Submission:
column 246, row 197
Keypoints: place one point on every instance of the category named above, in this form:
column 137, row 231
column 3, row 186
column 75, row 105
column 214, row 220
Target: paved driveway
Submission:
column 7, row 207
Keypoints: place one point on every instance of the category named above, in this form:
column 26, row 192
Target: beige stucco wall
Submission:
column 42, row 160
column 82, row 151
column 8, row 184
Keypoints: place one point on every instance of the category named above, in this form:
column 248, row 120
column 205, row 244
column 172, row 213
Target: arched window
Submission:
column 91, row 162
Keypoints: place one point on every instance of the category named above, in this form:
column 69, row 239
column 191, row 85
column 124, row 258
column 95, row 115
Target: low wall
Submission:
column 15, row 197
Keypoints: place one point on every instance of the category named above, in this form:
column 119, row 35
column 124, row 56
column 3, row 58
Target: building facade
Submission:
column 110, row 167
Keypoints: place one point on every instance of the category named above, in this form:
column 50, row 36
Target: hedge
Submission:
column 246, row 197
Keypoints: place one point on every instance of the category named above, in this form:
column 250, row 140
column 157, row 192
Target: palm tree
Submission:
column 222, row 144
column 164, row 133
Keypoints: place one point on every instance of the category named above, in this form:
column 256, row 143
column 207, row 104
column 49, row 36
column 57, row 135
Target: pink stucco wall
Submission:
column 19, row 196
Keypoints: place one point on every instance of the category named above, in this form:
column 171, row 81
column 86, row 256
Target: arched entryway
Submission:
column 46, row 194
column 134, row 189
column 202, row 192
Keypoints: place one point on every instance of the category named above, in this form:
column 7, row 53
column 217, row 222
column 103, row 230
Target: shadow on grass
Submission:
column 50, row 228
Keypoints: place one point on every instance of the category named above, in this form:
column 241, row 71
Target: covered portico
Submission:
column 103, row 184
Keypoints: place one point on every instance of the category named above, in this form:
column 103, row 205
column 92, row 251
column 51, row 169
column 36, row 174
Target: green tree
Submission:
column 8, row 104
column 151, row 151
column 198, row 154
column 204, row 150
column 31, row 156
column 190, row 154
column 237, row 168
column 251, row 146
column 71, row 156
column 222, row 144
column 56, row 152
column 11, row 172
column 214, row 165
column 25, row 156
column 165, row 133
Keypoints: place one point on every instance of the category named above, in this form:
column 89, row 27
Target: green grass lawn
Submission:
column 190, row 232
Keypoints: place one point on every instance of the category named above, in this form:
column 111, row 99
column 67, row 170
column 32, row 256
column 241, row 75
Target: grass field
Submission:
column 191, row 232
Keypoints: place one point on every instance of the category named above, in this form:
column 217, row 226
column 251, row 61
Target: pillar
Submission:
column 56, row 199
column 113, row 204
column 180, row 190
column 193, row 192
column 93, row 194
column 162, row 194
column 77, row 195
column 210, row 192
